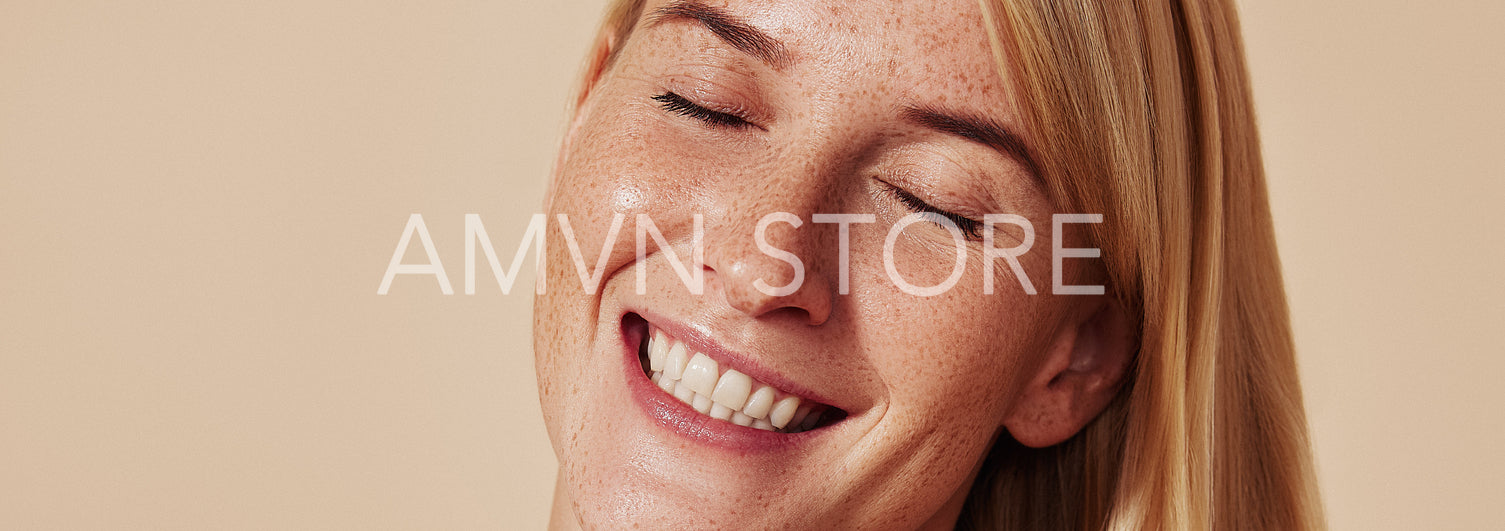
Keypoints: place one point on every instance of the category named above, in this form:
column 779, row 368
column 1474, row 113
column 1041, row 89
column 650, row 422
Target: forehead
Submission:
column 921, row 51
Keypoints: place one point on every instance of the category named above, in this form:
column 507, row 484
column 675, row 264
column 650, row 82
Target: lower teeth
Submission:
column 698, row 382
column 805, row 418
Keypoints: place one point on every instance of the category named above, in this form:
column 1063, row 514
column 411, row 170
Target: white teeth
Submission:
column 674, row 361
column 683, row 393
column 761, row 401
column 719, row 411
column 741, row 420
column 697, row 380
column 658, row 351
column 701, row 374
column 783, row 411
column 732, row 389
column 702, row 404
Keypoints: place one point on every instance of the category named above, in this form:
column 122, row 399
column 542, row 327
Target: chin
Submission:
column 658, row 423
column 661, row 420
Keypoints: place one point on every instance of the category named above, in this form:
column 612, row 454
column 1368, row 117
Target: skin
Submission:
column 928, row 382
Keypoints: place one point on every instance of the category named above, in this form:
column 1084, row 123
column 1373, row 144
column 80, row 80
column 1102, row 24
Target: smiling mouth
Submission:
column 719, row 391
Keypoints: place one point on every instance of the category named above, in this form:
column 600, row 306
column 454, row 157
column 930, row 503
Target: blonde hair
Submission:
column 1142, row 112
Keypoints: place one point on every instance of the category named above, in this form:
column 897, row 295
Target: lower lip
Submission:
column 683, row 420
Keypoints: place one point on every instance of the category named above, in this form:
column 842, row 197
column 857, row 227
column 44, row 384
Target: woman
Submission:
column 869, row 340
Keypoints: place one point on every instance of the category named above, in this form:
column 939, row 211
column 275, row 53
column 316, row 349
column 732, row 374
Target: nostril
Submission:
column 759, row 281
column 812, row 304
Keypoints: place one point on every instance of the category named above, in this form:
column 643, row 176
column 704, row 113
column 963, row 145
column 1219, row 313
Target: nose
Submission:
column 781, row 276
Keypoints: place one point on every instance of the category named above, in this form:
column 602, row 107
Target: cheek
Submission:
column 951, row 366
column 606, row 179
column 965, row 359
column 626, row 159
column 958, row 357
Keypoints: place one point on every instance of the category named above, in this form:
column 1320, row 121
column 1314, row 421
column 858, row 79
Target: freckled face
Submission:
column 684, row 123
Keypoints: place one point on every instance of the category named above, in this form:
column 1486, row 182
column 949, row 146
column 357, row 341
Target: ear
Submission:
column 1080, row 375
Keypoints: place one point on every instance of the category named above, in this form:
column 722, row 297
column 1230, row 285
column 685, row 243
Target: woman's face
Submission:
column 745, row 109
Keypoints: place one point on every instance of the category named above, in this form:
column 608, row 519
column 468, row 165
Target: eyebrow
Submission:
column 977, row 129
column 736, row 32
column 757, row 43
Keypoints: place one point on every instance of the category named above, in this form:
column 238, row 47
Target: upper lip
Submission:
column 701, row 341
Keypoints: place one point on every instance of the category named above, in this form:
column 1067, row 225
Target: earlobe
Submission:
column 1079, row 376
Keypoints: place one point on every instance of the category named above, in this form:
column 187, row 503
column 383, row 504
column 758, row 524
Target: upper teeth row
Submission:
column 729, row 395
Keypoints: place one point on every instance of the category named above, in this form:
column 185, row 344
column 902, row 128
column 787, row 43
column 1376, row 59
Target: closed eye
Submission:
column 971, row 228
column 679, row 105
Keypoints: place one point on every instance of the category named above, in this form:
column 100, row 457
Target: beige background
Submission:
column 197, row 203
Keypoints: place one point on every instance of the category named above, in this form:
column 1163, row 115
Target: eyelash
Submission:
column 971, row 228
column 679, row 105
